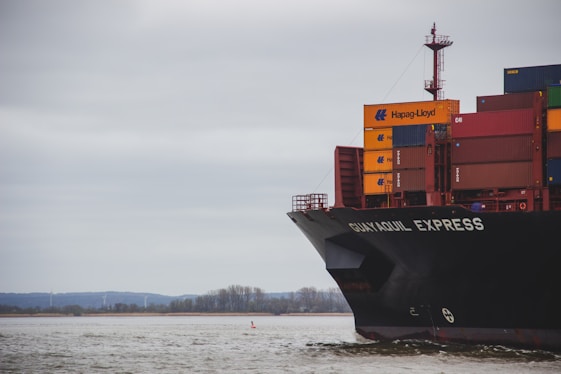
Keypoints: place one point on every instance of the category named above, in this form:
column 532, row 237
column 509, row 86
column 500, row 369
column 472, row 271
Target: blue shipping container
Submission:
column 532, row 78
column 408, row 136
column 554, row 171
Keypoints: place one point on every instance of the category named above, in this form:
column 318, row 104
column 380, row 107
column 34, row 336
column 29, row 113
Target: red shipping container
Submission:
column 408, row 180
column 554, row 144
column 492, row 149
column 492, row 175
column 409, row 157
column 523, row 100
column 504, row 122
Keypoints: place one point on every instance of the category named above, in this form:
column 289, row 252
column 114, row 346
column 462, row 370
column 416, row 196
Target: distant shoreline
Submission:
column 15, row 315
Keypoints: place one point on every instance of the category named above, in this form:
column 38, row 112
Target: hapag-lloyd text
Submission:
column 435, row 224
column 413, row 114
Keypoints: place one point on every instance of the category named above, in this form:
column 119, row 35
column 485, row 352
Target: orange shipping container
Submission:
column 554, row 119
column 377, row 183
column 375, row 139
column 375, row 161
column 412, row 113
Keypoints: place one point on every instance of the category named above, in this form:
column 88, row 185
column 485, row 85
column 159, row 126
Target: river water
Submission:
column 228, row 344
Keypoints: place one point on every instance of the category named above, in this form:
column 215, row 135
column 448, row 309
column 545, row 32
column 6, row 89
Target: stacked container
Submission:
column 395, row 142
column 377, row 160
column 532, row 78
column 546, row 78
column 554, row 135
column 493, row 149
column 522, row 100
column 409, row 158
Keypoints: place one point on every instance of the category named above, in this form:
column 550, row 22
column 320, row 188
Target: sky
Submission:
column 155, row 145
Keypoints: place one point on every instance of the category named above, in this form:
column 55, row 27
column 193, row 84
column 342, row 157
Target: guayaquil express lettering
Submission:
column 414, row 114
column 435, row 224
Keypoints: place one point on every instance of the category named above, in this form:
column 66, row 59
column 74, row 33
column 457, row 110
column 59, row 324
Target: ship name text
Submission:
column 435, row 224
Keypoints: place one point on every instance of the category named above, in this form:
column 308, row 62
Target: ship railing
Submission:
column 313, row 201
column 499, row 206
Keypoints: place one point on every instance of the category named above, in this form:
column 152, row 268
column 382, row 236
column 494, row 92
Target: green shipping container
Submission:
column 554, row 96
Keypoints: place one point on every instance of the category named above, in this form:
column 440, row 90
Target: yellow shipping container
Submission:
column 375, row 161
column 412, row 113
column 377, row 183
column 375, row 139
column 554, row 119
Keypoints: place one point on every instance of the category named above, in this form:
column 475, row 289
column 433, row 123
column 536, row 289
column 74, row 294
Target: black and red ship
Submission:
column 446, row 225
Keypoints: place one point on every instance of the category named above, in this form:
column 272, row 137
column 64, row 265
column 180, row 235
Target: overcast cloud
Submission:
column 154, row 146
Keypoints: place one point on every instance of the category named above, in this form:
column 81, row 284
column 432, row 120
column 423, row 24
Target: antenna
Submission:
column 437, row 43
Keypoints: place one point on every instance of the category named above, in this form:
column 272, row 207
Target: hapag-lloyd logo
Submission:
column 381, row 114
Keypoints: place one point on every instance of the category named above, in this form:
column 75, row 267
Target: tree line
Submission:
column 233, row 299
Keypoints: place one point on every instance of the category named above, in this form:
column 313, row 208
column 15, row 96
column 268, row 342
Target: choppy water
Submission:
column 219, row 344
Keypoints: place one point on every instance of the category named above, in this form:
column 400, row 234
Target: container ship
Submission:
column 446, row 226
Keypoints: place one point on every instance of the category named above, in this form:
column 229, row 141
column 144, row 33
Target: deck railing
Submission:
column 313, row 201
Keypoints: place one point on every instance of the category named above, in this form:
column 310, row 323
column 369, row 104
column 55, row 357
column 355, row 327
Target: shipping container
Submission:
column 409, row 157
column 532, row 78
column 553, row 144
column 411, row 113
column 375, row 161
column 408, row 180
column 492, row 149
column 504, row 122
column 522, row 100
column 554, row 96
column 409, row 136
column 375, row 139
column 554, row 171
column 554, row 119
column 492, row 175
column 377, row 183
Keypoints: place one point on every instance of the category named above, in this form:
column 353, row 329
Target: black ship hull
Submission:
column 445, row 273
